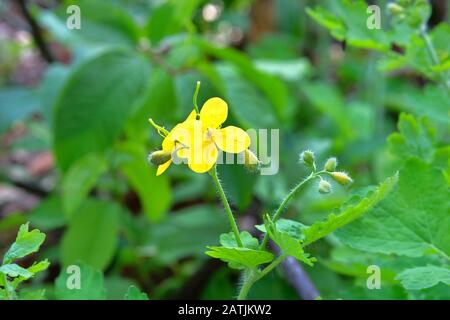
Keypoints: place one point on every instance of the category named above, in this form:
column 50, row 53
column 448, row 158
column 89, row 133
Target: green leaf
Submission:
column 33, row 270
column 229, row 240
column 86, row 123
column 13, row 270
column 26, row 242
column 91, row 287
column 351, row 211
column 413, row 220
column 15, row 105
column 288, row 244
column 92, row 234
column 79, row 180
column 415, row 139
column 155, row 200
column 239, row 257
column 134, row 293
column 32, row 294
column 294, row 228
column 48, row 215
column 424, row 277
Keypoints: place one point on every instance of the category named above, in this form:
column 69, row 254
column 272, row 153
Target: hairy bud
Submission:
column 307, row 157
column 395, row 8
column 341, row 177
column 331, row 164
column 159, row 157
column 324, row 187
column 251, row 161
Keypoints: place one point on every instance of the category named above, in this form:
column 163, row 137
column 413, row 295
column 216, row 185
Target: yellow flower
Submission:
column 206, row 136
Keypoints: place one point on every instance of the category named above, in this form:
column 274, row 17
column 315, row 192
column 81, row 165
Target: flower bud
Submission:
column 324, row 187
column 307, row 157
column 331, row 164
column 341, row 177
column 251, row 161
column 395, row 8
column 159, row 157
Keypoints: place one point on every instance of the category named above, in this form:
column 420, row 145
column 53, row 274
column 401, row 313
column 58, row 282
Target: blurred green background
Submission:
column 74, row 132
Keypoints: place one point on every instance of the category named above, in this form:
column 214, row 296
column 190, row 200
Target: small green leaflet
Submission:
column 26, row 242
column 240, row 257
column 34, row 269
column 90, row 280
column 134, row 293
column 349, row 212
column 414, row 220
column 415, row 139
column 293, row 228
column 288, row 244
column 13, row 270
column 424, row 277
column 229, row 240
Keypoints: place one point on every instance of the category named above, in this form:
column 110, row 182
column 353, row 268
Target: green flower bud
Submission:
column 307, row 157
column 324, row 186
column 341, row 177
column 395, row 8
column 159, row 157
column 251, row 161
column 331, row 164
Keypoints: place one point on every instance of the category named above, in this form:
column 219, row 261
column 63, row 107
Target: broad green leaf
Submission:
column 154, row 192
column 413, row 220
column 48, row 215
column 13, row 270
column 90, row 280
column 84, row 122
column 92, row 234
column 424, row 277
column 33, row 270
column 163, row 240
column 415, row 139
column 26, row 242
column 288, row 244
column 134, row 293
column 349, row 212
column 229, row 240
column 239, row 257
column 294, row 228
column 79, row 180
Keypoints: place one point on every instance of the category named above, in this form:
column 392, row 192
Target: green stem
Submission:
column 223, row 197
column 9, row 290
column 194, row 98
column 286, row 200
column 433, row 54
column 253, row 277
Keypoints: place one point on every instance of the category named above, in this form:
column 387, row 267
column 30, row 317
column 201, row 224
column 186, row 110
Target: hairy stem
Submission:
column 226, row 205
column 285, row 202
column 253, row 276
column 433, row 55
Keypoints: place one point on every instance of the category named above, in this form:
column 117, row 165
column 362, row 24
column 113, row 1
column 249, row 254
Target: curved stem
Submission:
column 433, row 54
column 253, row 277
column 286, row 200
column 223, row 197
column 194, row 98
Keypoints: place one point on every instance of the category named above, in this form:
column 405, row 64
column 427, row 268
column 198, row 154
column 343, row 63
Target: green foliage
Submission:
column 134, row 293
column 424, row 277
column 404, row 223
column 92, row 234
column 239, row 257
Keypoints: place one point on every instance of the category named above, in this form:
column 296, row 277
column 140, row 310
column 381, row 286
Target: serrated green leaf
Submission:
column 26, row 242
column 349, row 212
column 415, row 139
column 229, row 240
column 294, row 228
column 34, row 269
column 79, row 180
column 424, row 277
column 288, row 244
column 90, row 279
column 413, row 220
column 240, row 257
column 13, row 270
column 134, row 293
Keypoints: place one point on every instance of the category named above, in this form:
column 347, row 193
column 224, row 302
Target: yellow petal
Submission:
column 214, row 112
column 163, row 167
column 231, row 139
column 202, row 159
column 192, row 116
